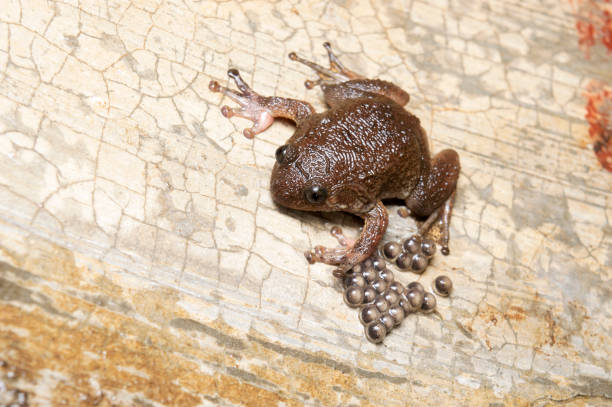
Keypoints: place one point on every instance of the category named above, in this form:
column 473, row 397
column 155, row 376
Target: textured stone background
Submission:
column 142, row 261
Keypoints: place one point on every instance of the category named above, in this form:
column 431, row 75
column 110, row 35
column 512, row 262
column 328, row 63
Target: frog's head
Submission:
column 299, row 179
column 305, row 179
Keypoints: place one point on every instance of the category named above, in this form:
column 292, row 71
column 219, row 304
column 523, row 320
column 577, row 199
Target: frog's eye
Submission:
column 285, row 154
column 315, row 194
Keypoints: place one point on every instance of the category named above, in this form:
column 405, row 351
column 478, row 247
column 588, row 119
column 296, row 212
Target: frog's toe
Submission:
column 344, row 258
column 336, row 73
column 261, row 117
column 321, row 254
column 344, row 241
column 336, row 65
column 242, row 97
column 251, row 104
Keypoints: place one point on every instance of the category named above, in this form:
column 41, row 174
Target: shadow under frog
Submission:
column 362, row 150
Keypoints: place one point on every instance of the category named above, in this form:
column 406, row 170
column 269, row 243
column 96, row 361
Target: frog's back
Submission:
column 370, row 141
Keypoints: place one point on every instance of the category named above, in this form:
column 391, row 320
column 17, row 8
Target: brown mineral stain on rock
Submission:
column 54, row 262
column 157, row 304
column 82, row 353
column 96, row 339
column 515, row 313
column 248, row 395
column 535, row 326
column 222, row 339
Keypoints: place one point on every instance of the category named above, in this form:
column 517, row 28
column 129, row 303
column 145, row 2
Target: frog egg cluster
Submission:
column 383, row 302
column 412, row 254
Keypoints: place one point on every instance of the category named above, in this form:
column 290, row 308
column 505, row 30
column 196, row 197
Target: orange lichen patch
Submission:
column 593, row 23
column 598, row 111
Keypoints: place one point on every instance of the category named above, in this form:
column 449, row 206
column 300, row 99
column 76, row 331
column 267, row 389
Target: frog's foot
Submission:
column 339, row 235
column 344, row 257
column 445, row 219
column 442, row 214
column 351, row 251
column 337, row 73
column 252, row 105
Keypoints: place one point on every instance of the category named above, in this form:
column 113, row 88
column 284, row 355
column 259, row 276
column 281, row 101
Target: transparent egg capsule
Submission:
column 375, row 332
column 429, row 303
column 368, row 314
column 353, row 296
column 443, row 286
column 391, row 250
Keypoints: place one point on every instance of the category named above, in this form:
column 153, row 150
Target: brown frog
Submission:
column 362, row 150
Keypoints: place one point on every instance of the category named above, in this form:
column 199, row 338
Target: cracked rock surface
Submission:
column 142, row 261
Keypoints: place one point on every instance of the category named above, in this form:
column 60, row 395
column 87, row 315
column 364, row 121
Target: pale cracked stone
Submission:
column 137, row 228
column 284, row 292
column 234, row 228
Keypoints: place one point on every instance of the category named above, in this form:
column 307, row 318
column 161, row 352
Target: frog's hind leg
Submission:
column 442, row 214
column 336, row 94
column 434, row 197
column 339, row 83
column 260, row 109
column 336, row 73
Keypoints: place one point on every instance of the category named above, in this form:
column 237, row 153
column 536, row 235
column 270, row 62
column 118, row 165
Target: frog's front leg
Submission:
column 260, row 109
column 349, row 253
